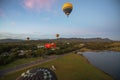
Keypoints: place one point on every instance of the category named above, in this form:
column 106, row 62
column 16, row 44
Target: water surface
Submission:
column 108, row 61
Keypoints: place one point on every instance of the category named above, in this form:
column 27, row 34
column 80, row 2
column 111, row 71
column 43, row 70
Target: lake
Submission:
column 107, row 61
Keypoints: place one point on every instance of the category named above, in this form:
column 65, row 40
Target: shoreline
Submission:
column 95, row 66
column 90, row 50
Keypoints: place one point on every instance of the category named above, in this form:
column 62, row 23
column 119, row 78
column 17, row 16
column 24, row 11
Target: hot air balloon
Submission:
column 57, row 35
column 38, row 74
column 67, row 8
column 48, row 45
column 28, row 38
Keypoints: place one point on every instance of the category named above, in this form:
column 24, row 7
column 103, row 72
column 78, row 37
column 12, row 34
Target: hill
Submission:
column 87, row 39
column 10, row 40
column 62, row 39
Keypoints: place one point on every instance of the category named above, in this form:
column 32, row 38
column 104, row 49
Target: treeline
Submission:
column 9, row 47
column 97, row 45
column 114, row 46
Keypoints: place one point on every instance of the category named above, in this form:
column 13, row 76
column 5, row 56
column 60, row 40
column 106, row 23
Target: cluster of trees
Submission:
column 17, row 51
column 100, row 46
column 96, row 45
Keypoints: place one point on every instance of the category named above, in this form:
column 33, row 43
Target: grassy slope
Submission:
column 69, row 67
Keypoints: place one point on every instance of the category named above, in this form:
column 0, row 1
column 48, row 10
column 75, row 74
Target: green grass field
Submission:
column 69, row 67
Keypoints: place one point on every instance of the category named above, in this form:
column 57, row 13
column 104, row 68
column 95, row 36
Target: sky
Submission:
column 43, row 19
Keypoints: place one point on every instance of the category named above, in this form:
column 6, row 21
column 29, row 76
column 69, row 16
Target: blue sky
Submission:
column 41, row 19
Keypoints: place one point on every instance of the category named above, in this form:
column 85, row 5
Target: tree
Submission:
column 28, row 53
column 40, row 52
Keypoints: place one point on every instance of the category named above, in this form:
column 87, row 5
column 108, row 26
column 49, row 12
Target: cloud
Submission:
column 9, row 35
column 13, row 23
column 1, row 13
column 38, row 5
column 47, row 19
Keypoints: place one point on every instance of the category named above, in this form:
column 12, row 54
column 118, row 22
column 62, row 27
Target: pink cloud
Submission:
column 38, row 5
column 1, row 13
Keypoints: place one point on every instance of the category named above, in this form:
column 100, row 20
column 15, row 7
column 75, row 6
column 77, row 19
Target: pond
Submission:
column 107, row 61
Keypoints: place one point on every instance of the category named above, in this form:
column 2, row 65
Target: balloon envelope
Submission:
column 67, row 8
column 28, row 38
column 47, row 45
column 50, row 45
column 38, row 74
column 57, row 35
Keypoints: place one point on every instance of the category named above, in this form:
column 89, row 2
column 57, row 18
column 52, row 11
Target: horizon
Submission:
column 57, row 38
column 43, row 19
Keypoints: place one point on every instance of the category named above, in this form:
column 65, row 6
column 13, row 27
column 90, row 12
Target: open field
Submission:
column 69, row 67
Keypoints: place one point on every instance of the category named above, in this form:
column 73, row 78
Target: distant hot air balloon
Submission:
column 57, row 35
column 48, row 45
column 67, row 8
column 28, row 38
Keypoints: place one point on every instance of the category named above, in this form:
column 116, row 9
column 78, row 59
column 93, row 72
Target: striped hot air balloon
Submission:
column 38, row 74
column 67, row 8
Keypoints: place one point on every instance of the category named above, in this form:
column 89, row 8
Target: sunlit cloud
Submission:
column 38, row 5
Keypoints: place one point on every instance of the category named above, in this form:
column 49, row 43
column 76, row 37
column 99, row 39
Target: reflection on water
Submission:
column 107, row 61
